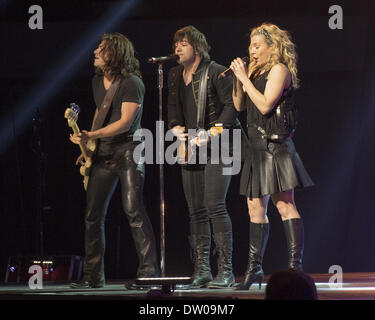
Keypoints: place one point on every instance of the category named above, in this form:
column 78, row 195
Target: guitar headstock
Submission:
column 71, row 114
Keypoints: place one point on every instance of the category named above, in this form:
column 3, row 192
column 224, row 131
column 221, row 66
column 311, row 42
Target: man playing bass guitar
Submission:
column 113, row 160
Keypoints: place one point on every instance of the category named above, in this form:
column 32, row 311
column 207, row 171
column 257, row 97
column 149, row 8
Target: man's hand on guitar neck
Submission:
column 82, row 137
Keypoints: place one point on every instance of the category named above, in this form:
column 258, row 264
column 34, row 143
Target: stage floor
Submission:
column 355, row 286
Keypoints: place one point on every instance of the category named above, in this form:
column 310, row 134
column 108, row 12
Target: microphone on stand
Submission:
column 173, row 57
column 225, row 72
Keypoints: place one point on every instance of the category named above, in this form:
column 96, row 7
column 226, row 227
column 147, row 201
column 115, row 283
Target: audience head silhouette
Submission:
column 290, row 285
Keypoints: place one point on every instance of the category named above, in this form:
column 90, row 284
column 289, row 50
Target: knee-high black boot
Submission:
column 224, row 248
column 258, row 241
column 200, row 245
column 294, row 233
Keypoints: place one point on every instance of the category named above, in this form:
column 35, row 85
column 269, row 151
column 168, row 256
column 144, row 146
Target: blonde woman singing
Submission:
column 273, row 168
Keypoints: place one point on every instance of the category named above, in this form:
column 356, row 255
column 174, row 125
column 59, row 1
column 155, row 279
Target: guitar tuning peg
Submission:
column 75, row 107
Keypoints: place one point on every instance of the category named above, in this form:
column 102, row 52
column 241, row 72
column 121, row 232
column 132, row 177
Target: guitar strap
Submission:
column 202, row 96
column 106, row 104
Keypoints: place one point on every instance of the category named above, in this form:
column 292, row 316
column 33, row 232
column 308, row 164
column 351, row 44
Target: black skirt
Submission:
column 271, row 167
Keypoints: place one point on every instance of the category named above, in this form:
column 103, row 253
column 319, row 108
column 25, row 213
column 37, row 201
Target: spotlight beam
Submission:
column 39, row 95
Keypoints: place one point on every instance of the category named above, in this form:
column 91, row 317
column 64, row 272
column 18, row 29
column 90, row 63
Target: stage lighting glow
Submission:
column 12, row 269
column 43, row 262
column 164, row 278
column 348, row 289
column 52, row 81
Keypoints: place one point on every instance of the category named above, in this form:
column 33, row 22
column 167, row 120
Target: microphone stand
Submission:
column 161, row 174
column 168, row 284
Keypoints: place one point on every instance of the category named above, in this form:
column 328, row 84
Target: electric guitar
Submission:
column 71, row 114
column 186, row 149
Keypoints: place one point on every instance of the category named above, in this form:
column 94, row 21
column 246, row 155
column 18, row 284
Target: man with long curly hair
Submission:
column 114, row 61
column 273, row 168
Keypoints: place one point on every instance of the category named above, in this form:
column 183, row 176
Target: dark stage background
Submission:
column 44, row 70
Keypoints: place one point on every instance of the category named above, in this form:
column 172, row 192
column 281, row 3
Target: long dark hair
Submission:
column 119, row 56
column 195, row 38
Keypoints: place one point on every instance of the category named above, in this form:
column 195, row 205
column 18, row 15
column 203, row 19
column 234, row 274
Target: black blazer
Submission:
column 219, row 105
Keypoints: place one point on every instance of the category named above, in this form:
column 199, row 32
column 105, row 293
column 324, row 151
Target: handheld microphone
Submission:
column 163, row 59
column 225, row 72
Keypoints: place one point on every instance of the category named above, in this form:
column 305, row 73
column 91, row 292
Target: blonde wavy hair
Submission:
column 284, row 50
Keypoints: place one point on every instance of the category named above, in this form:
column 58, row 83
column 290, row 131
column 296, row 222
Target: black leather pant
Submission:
column 104, row 177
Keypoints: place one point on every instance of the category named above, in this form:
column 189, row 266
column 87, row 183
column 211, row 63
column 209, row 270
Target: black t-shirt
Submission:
column 189, row 106
column 131, row 89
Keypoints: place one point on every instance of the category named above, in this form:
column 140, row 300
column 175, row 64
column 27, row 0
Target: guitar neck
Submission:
column 81, row 145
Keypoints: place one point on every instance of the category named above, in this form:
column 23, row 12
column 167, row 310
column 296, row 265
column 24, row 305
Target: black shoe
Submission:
column 132, row 285
column 224, row 247
column 201, row 280
column 250, row 278
column 200, row 245
column 222, row 281
column 258, row 241
column 84, row 284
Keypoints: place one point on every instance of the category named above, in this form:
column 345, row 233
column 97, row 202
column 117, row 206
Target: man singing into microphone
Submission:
column 204, row 184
